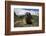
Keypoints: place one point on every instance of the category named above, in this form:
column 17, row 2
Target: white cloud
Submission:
column 22, row 12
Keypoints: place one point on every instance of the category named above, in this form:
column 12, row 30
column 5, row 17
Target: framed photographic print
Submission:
column 24, row 17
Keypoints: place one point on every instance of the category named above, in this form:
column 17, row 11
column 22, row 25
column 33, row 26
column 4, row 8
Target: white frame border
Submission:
column 25, row 28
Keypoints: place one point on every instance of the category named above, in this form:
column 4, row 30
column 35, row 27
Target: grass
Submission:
column 35, row 21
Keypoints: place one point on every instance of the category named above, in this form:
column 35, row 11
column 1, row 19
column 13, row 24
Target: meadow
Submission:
column 20, row 21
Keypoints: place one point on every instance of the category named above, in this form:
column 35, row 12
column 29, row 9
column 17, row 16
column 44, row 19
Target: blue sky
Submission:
column 27, row 9
column 22, row 11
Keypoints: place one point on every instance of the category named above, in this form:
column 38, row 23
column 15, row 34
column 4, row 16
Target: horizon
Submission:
column 22, row 11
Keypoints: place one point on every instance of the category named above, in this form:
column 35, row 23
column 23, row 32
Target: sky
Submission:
column 22, row 11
